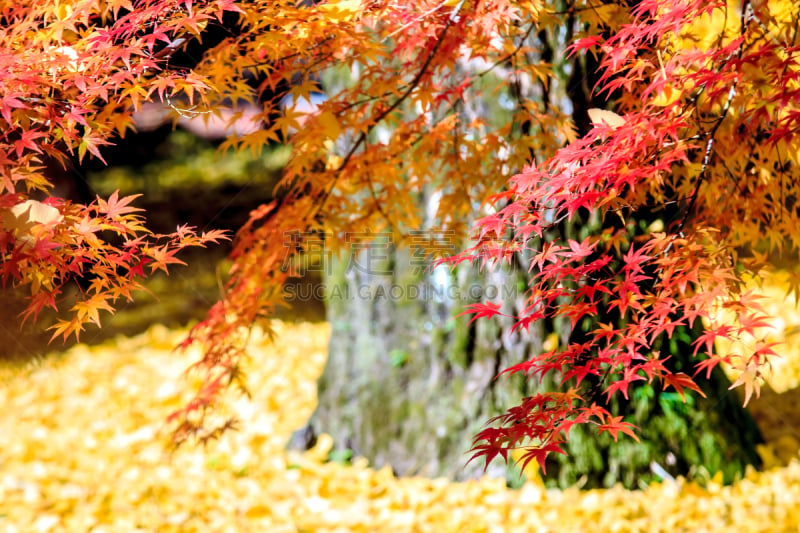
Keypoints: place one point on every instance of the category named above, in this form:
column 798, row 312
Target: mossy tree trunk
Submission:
column 408, row 384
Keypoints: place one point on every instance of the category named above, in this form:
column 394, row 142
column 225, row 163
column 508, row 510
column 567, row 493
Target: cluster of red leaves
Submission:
column 51, row 243
column 71, row 75
column 710, row 125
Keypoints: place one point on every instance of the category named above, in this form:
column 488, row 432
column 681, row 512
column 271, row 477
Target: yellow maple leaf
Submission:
column 330, row 124
column 750, row 379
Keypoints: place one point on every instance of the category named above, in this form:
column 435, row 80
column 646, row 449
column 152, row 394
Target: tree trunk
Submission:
column 408, row 384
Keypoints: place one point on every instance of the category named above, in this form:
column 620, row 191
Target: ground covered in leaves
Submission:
column 82, row 449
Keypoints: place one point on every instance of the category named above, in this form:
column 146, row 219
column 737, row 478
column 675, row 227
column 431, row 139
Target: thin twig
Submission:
column 711, row 134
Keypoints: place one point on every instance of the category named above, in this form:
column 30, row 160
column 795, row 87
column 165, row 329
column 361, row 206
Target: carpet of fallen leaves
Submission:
column 82, row 449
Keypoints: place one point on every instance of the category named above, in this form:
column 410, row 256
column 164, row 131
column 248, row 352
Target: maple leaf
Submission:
column 115, row 206
column 750, row 377
column 709, row 363
column 482, row 310
column 65, row 328
column 341, row 10
column 708, row 337
column 489, row 453
column 621, row 384
column 583, row 43
column 614, row 425
column 681, row 381
column 162, row 256
column 539, row 453
column 28, row 141
column 89, row 309
column 579, row 250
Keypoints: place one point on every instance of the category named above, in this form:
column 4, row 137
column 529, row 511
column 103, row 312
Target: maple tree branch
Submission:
column 711, row 134
column 572, row 9
column 364, row 101
column 378, row 206
column 706, row 159
column 167, row 52
column 420, row 17
column 385, row 113
column 510, row 54
column 478, row 75
column 272, row 62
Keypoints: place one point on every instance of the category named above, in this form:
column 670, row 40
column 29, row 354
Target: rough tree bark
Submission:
column 408, row 382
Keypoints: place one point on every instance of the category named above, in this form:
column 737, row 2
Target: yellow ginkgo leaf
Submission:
column 609, row 118
column 320, row 450
column 550, row 343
